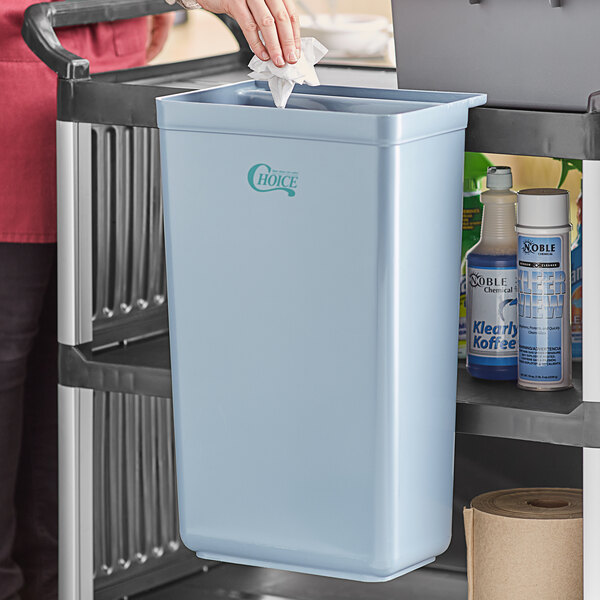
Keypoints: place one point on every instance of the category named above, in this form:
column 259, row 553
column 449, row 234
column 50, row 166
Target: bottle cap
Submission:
column 543, row 207
column 499, row 178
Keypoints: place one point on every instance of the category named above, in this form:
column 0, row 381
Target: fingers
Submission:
column 285, row 30
column 241, row 13
column 159, row 27
column 268, row 28
column 295, row 21
column 273, row 21
column 277, row 22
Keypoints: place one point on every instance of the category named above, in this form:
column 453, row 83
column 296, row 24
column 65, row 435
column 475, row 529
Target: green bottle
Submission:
column 476, row 166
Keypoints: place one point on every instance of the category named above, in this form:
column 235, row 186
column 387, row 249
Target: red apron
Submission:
column 28, row 115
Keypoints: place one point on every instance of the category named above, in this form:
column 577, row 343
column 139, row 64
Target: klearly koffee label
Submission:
column 492, row 326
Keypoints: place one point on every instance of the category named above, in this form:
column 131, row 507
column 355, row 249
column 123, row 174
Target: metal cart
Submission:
column 118, row 526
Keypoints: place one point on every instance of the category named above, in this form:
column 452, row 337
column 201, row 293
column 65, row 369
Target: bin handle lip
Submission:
column 42, row 19
column 434, row 98
column 477, row 100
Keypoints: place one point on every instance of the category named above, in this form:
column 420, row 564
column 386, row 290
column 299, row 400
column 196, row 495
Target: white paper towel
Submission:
column 282, row 79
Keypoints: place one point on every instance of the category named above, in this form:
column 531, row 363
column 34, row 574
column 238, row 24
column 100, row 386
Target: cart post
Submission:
column 591, row 380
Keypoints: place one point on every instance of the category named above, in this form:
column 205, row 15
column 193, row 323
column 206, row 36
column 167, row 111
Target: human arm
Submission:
column 276, row 20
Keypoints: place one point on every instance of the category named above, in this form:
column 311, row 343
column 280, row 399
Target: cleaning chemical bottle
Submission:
column 476, row 166
column 576, row 264
column 492, row 325
column 544, row 289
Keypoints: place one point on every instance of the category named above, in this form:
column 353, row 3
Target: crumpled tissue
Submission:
column 282, row 79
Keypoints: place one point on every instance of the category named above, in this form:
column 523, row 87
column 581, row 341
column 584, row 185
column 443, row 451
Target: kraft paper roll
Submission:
column 525, row 544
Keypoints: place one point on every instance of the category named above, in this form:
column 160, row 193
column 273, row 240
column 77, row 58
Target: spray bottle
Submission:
column 476, row 166
column 576, row 264
column 492, row 325
column 544, row 289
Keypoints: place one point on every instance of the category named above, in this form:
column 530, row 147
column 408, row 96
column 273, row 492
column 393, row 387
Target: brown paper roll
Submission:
column 525, row 544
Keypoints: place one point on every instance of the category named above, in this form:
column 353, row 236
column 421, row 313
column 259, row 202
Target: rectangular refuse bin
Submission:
column 312, row 267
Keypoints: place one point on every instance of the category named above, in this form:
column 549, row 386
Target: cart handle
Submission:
column 42, row 19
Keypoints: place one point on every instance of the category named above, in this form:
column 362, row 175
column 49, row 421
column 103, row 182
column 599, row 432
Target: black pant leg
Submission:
column 36, row 544
column 25, row 272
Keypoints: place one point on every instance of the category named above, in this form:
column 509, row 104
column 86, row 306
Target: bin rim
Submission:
column 473, row 99
column 214, row 110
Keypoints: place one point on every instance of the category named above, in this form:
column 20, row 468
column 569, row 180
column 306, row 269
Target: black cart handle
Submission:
column 42, row 19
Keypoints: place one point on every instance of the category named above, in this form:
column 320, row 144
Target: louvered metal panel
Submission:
column 135, row 508
column 127, row 230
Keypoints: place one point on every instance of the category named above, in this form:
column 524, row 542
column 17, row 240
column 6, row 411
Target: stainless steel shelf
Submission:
column 150, row 575
column 251, row 583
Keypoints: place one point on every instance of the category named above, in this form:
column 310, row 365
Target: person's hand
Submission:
column 276, row 20
column 158, row 32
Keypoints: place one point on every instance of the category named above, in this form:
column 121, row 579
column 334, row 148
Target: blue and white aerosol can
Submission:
column 492, row 324
column 544, row 272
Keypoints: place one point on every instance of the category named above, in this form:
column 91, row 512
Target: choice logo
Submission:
column 529, row 247
column 263, row 178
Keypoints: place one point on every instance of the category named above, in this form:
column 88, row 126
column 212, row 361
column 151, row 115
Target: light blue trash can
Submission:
column 313, row 325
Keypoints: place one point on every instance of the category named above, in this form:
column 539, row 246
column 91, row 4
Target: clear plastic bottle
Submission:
column 492, row 320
